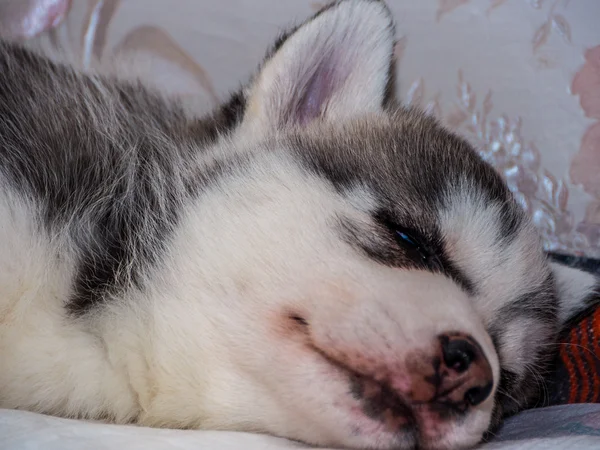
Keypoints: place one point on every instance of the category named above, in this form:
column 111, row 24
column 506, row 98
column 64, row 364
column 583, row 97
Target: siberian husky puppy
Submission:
column 310, row 261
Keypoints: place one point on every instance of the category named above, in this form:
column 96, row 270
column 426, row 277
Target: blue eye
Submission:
column 412, row 244
column 406, row 238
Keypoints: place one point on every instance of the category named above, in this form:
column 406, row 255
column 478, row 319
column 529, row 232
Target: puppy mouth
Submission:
column 378, row 401
column 414, row 404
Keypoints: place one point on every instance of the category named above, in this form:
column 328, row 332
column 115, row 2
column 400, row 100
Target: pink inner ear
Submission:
column 319, row 89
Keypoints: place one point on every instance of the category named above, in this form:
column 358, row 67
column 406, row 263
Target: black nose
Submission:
column 468, row 370
column 458, row 354
column 478, row 394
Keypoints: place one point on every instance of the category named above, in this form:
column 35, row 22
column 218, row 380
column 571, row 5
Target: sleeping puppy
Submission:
column 310, row 261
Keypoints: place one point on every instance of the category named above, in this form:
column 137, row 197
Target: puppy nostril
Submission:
column 478, row 394
column 458, row 354
column 466, row 378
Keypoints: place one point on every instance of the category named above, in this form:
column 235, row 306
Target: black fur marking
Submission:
column 413, row 168
column 110, row 163
column 392, row 254
column 508, row 383
column 589, row 265
column 515, row 392
column 224, row 119
column 540, row 303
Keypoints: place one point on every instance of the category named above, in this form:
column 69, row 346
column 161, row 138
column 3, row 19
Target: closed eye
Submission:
column 397, row 245
column 407, row 239
column 413, row 244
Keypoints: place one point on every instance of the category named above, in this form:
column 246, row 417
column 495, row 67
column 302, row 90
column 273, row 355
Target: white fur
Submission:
column 196, row 351
column 573, row 286
column 48, row 362
column 504, row 273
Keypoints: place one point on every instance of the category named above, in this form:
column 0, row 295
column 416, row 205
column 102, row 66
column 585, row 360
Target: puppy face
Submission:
column 312, row 261
column 359, row 253
column 377, row 285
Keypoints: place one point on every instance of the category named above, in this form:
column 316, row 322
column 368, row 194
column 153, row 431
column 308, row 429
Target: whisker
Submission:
column 506, row 394
column 541, row 383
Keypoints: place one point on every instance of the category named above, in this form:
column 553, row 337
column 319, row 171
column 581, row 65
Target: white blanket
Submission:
column 565, row 427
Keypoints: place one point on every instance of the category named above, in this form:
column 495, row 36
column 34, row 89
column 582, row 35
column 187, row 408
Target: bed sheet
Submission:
column 561, row 427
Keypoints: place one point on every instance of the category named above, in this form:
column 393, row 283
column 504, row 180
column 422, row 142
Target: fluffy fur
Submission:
column 241, row 271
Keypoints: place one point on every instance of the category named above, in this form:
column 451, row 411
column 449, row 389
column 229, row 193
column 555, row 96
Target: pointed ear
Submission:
column 335, row 65
column 578, row 291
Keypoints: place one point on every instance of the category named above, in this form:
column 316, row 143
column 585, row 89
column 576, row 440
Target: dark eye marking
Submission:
column 413, row 243
column 407, row 238
column 418, row 249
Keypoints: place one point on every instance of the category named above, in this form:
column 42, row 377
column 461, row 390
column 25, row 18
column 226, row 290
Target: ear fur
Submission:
column 578, row 291
column 335, row 65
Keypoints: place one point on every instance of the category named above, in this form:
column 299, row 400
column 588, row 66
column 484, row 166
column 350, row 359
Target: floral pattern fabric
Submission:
column 518, row 78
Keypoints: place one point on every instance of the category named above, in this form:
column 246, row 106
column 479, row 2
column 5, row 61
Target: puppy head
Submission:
column 374, row 284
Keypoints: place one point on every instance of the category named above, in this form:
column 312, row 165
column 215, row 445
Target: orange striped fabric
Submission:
column 577, row 371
